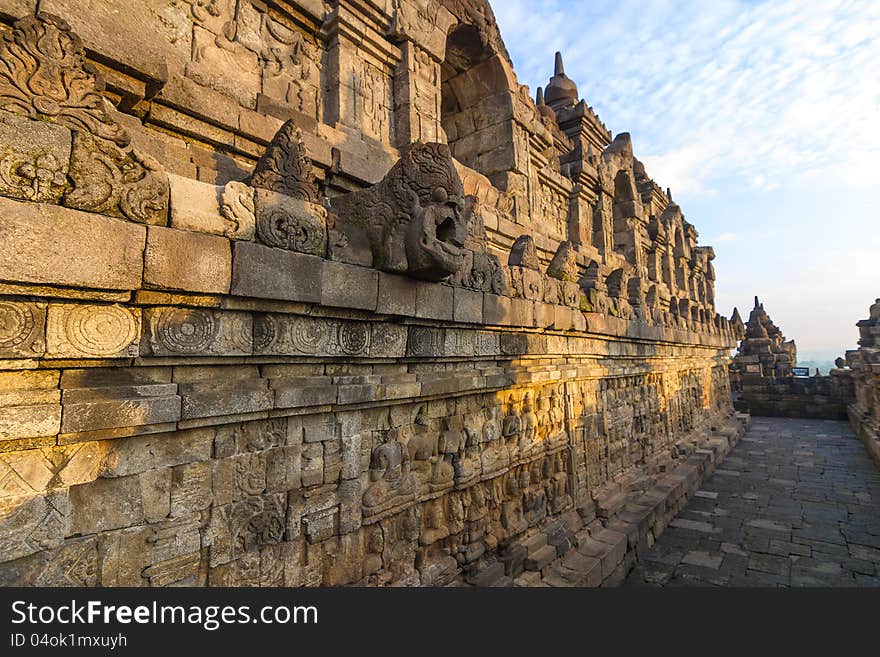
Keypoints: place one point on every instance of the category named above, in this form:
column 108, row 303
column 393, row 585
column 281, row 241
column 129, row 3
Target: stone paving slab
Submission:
column 796, row 503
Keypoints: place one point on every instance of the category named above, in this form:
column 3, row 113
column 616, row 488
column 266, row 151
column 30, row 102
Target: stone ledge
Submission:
column 97, row 252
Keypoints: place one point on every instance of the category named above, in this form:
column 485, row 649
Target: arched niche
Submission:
column 476, row 109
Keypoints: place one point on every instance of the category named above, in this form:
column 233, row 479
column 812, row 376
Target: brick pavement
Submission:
column 796, row 503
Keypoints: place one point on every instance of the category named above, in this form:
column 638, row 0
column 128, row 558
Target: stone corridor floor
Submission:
column 796, row 503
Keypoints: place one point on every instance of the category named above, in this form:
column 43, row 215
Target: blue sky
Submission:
column 764, row 120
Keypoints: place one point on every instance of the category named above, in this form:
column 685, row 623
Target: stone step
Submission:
column 587, row 571
column 529, row 579
column 608, row 506
column 535, row 543
column 541, row 558
column 488, row 575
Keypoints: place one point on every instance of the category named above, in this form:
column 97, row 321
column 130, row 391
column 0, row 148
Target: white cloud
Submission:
column 761, row 93
column 725, row 237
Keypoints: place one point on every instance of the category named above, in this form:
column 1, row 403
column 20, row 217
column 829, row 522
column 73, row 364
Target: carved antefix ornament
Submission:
column 414, row 222
column 44, row 77
column 288, row 210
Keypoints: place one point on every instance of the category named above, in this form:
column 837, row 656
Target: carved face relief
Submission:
column 435, row 237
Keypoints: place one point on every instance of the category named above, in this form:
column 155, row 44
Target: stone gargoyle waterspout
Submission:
column 413, row 222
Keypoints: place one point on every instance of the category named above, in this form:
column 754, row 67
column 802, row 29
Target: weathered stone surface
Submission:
column 97, row 252
column 31, row 404
column 195, row 206
column 122, row 406
column 34, row 159
column 106, row 504
column 349, row 286
column 198, row 332
column 237, row 208
column 182, row 260
column 224, row 66
column 269, row 273
column 75, row 563
column 107, row 180
column 22, row 329
column 19, row 8
column 32, row 523
column 106, row 30
column 290, row 223
column 92, row 331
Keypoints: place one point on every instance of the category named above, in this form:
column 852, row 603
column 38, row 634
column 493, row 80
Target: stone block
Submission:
column 93, row 409
column 106, row 504
column 35, row 158
column 313, row 336
column 521, row 313
column 296, row 392
column 136, row 454
column 245, row 526
column 283, row 469
column 75, row 563
column 183, row 260
column 541, row 558
column 434, row 301
column 153, row 37
column 162, row 552
column 22, row 329
column 19, row 8
column 213, row 399
column 562, row 318
column 397, row 295
column 467, row 306
column 496, row 309
column 31, row 523
column 191, row 488
column 32, row 471
column 269, row 273
column 156, row 494
column 96, row 252
column 195, row 206
column 388, row 340
column 545, row 315
column 92, row 331
column 30, row 405
column 179, row 331
column 349, row 286
column 232, row 70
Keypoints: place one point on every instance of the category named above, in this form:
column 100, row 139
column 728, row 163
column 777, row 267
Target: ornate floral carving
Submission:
column 294, row 335
column 95, row 331
column 290, row 223
column 237, row 207
column 21, row 329
column 44, row 76
column 285, row 168
column 202, row 10
column 184, row 330
column 39, row 179
column 413, row 222
column 110, row 181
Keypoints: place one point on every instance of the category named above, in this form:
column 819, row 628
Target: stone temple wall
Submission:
column 820, row 397
column 302, row 293
column 862, row 365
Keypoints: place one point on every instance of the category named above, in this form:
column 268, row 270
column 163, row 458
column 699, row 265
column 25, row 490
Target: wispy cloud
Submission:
column 762, row 92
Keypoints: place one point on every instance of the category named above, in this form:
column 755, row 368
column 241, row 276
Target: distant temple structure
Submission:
column 764, row 350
